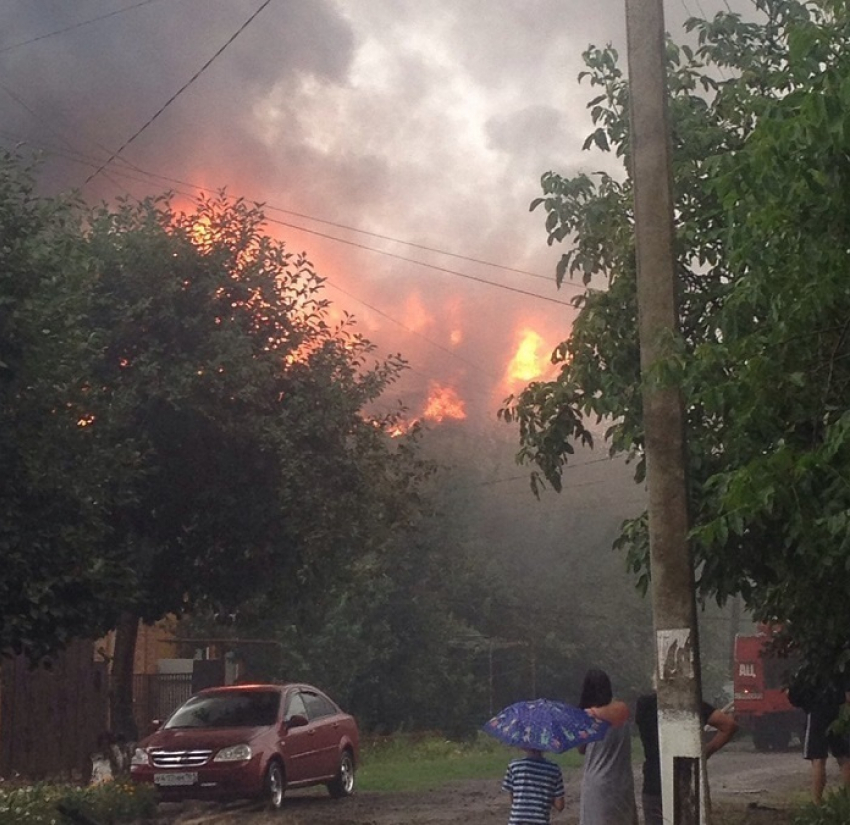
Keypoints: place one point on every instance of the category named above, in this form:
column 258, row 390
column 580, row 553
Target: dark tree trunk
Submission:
column 121, row 689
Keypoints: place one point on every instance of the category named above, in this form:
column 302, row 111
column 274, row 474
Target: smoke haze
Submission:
column 429, row 123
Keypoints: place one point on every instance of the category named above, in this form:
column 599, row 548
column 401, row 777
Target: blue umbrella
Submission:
column 545, row 725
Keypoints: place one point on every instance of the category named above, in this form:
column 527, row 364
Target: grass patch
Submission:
column 835, row 810
column 417, row 762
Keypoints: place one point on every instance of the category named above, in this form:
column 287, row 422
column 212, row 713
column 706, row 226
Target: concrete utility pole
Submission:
column 684, row 790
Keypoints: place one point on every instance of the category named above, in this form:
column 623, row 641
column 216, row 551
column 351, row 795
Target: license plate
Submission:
column 172, row 779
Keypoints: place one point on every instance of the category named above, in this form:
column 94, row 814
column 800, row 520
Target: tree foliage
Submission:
column 185, row 423
column 241, row 407
column 51, row 520
column 760, row 154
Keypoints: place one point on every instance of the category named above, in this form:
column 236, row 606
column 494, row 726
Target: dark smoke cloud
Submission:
column 430, row 122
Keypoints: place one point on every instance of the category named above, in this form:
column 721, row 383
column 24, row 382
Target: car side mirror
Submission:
column 155, row 725
column 297, row 721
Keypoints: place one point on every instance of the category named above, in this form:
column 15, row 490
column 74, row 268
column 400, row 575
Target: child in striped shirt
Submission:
column 536, row 785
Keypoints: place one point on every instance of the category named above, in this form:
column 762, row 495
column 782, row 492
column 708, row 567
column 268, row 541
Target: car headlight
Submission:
column 235, row 753
column 140, row 757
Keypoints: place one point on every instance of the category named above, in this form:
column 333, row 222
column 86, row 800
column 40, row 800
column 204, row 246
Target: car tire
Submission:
column 274, row 786
column 343, row 784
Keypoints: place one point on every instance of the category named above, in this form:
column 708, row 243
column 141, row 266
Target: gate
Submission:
column 155, row 695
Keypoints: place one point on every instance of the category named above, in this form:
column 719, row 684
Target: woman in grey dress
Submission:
column 608, row 786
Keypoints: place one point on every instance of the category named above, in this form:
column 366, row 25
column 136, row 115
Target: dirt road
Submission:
column 740, row 778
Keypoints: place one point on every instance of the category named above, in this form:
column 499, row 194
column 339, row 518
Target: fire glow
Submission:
column 444, row 403
column 521, row 348
column 530, row 361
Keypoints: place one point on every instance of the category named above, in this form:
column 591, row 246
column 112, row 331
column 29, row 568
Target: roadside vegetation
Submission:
column 44, row 803
column 834, row 810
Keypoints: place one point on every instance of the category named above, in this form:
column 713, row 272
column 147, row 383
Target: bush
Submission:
column 110, row 803
column 834, row 810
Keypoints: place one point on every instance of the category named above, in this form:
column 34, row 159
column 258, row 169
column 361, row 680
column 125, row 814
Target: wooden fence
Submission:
column 50, row 718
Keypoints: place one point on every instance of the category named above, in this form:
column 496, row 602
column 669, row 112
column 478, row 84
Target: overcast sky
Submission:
column 425, row 121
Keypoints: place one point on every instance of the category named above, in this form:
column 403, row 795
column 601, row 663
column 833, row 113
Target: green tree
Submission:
column 386, row 638
column 184, row 426
column 760, row 154
column 52, row 577
column 249, row 460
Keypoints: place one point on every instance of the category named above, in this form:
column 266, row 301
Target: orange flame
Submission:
column 444, row 402
column 530, row 360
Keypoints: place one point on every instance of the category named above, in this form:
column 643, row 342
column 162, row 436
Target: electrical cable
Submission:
column 407, row 243
column 52, row 129
column 177, row 93
column 79, row 158
column 350, row 295
column 422, row 263
column 357, row 245
column 328, row 282
column 408, row 329
column 525, row 477
column 75, row 26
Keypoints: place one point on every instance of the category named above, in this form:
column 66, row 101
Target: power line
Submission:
column 408, row 329
column 178, row 92
column 524, row 477
column 415, row 245
column 427, row 265
column 701, row 9
column 411, row 244
column 50, row 128
column 81, row 159
column 38, row 119
column 273, row 208
column 326, row 236
column 75, row 26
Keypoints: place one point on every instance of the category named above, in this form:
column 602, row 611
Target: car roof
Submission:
column 259, row 686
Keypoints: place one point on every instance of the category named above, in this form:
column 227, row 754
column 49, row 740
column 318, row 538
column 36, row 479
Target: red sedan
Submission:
column 250, row 741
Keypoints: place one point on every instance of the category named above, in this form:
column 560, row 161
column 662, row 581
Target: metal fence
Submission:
column 155, row 695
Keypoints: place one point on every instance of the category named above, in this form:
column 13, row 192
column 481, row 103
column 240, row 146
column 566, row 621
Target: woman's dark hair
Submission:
column 596, row 690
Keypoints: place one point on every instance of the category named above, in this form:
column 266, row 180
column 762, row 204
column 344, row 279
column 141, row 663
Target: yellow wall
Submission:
column 152, row 644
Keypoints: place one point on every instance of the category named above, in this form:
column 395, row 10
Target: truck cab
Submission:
column 760, row 693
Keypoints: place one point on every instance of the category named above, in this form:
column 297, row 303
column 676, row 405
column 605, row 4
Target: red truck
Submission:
column 761, row 696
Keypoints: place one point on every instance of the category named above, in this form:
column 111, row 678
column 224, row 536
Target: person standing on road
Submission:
column 607, row 786
column 646, row 719
column 536, row 785
column 822, row 705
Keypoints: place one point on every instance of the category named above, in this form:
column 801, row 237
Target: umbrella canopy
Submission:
column 545, row 725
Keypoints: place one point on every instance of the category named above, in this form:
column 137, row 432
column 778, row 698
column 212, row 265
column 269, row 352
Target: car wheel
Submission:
column 274, row 786
column 343, row 784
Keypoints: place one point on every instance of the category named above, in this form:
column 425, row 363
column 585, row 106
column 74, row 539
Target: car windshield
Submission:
column 237, row 709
